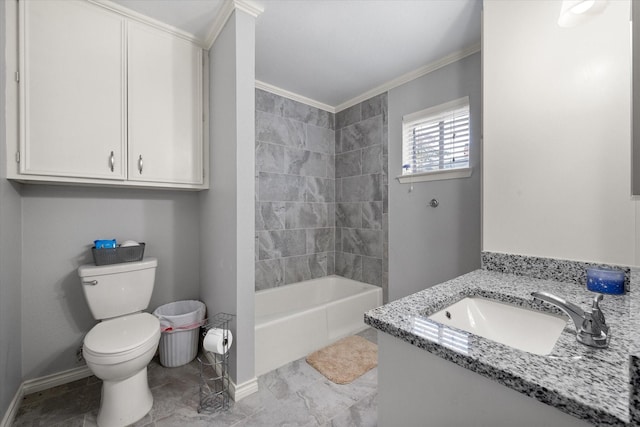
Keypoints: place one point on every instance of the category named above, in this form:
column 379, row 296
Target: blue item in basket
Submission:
column 105, row 244
column 605, row 280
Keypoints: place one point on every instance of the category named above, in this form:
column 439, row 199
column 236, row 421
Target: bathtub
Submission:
column 295, row 320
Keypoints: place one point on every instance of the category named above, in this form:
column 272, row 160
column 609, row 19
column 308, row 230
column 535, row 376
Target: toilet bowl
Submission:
column 118, row 351
column 119, row 348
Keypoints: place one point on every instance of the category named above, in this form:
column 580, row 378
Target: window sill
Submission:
column 435, row 175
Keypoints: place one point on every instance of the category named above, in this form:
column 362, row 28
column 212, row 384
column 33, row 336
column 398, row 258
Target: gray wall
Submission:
column 295, row 209
column 361, row 192
column 10, row 259
column 59, row 225
column 227, row 242
column 428, row 246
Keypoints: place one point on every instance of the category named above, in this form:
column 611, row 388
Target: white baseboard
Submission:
column 54, row 380
column 240, row 391
column 38, row 384
column 236, row 391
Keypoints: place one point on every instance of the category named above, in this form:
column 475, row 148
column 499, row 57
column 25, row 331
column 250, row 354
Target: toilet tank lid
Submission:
column 89, row 270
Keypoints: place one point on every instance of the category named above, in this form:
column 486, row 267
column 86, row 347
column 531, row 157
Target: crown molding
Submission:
column 405, row 78
column 294, row 96
column 223, row 15
column 131, row 14
column 412, row 75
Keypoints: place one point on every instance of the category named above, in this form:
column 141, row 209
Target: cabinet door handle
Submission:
column 140, row 164
column 112, row 161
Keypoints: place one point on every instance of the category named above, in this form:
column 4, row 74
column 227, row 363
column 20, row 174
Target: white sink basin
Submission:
column 521, row 328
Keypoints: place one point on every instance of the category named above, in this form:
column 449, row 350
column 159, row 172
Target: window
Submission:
column 435, row 142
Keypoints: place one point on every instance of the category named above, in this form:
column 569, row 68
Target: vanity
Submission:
column 433, row 374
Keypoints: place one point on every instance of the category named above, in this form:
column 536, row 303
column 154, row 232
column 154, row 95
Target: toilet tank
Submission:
column 118, row 289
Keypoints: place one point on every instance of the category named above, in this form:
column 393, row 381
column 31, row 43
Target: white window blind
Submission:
column 436, row 139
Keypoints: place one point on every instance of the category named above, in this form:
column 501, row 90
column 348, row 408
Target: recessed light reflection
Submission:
column 440, row 334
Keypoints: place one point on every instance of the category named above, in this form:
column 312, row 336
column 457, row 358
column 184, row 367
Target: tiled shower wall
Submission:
column 295, row 191
column 303, row 167
column 361, row 192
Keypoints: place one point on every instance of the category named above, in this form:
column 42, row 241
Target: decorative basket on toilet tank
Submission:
column 180, row 323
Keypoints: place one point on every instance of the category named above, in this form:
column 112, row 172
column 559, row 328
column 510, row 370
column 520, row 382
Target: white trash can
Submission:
column 180, row 323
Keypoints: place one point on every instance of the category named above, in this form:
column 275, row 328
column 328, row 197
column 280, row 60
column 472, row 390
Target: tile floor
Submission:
column 294, row 395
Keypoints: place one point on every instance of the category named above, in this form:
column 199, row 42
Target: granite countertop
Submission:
column 592, row 384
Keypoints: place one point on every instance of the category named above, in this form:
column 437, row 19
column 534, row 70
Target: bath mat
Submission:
column 345, row 360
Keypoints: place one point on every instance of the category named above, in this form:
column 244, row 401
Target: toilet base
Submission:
column 126, row 401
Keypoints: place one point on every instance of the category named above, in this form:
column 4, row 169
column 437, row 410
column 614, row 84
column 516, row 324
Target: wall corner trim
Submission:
column 223, row 15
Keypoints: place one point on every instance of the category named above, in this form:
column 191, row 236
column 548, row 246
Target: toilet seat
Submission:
column 121, row 339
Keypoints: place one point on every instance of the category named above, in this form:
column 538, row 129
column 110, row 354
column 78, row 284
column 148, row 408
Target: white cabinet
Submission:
column 107, row 100
column 73, row 121
column 165, row 107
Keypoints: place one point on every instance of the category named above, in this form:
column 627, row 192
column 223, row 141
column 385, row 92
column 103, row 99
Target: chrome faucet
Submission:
column 590, row 324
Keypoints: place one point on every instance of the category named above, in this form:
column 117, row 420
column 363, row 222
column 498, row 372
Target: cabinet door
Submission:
column 165, row 107
column 72, row 120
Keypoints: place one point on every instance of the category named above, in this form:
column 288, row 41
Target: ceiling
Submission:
column 332, row 51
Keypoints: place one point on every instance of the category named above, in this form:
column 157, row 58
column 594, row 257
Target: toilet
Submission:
column 119, row 348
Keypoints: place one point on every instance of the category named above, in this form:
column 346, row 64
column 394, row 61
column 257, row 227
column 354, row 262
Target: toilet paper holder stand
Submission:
column 214, row 369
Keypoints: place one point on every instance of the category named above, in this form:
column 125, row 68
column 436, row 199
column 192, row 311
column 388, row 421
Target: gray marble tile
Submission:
column 269, row 274
column 305, row 267
column 372, row 270
column 338, row 190
column 320, row 190
column 331, row 167
column 372, row 159
column 338, row 238
column 349, row 215
column 384, row 190
column 290, row 378
column 270, row 216
column 349, row 164
column 323, row 402
column 270, row 157
column 362, row 242
column 385, row 139
column 373, row 106
column 337, row 146
column 279, row 130
column 385, row 169
column 281, row 188
column 305, row 163
column 331, row 263
column 304, row 113
column 331, row 210
column 372, row 215
column 361, row 387
column 320, row 240
column 363, row 188
column 361, row 134
column 320, row 139
column 385, row 108
column 307, row 215
column 362, row 414
column 281, row 243
column 349, row 116
column 269, row 102
column 349, row 265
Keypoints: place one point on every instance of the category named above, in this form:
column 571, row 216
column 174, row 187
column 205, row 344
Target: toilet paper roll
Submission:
column 215, row 341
